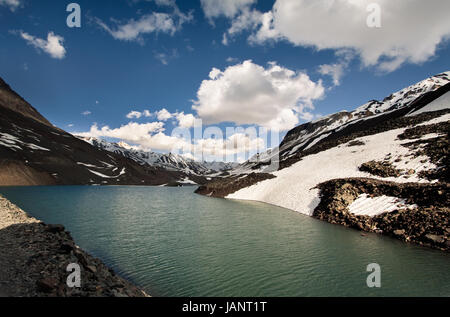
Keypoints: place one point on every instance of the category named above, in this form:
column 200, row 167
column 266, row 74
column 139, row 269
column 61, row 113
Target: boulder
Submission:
column 47, row 285
column 55, row 228
column 399, row 233
column 435, row 238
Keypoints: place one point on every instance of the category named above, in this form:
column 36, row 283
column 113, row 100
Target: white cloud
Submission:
column 86, row 113
column 132, row 132
column 227, row 8
column 246, row 20
column 163, row 115
column 165, row 57
column 156, row 22
column 335, row 71
column 223, row 148
column 232, row 60
column 52, row 46
column 170, row 3
column 11, row 4
column 151, row 137
column 134, row 115
column 411, row 30
column 273, row 97
column 138, row 114
column 185, row 120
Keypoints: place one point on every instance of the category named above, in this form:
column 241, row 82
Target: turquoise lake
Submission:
column 172, row 242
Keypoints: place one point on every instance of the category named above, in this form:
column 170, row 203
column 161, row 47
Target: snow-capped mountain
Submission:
column 306, row 136
column 169, row 161
column 34, row 152
column 383, row 168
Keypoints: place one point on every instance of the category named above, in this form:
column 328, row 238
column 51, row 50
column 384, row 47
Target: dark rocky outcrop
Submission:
column 436, row 149
column 382, row 169
column 428, row 224
column 36, row 257
column 221, row 188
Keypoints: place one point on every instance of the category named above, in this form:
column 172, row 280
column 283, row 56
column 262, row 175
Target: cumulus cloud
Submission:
column 156, row 22
column 52, row 46
column 148, row 136
column 151, row 137
column 238, row 146
column 86, row 113
column 163, row 115
column 134, row 115
column 411, row 31
column 247, row 20
column 185, row 120
column 11, row 4
column 131, row 132
column 138, row 114
column 274, row 97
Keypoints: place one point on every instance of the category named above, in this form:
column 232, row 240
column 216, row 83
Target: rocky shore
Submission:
column 34, row 258
column 221, row 188
column 428, row 224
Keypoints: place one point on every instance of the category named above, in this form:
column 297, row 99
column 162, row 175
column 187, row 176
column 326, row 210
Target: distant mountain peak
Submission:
column 170, row 161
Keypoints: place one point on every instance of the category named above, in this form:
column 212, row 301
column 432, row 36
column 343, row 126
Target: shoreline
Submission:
column 35, row 257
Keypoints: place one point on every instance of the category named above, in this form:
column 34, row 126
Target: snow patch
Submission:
column 441, row 103
column 13, row 142
column 368, row 206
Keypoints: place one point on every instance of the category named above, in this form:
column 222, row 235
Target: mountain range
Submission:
column 34, row 152
column 383, row 167
column 173, row 162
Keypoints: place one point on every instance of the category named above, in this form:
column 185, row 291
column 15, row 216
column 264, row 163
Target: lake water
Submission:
column 172, row 242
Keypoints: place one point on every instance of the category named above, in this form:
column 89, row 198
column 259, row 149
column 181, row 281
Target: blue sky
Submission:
column 161, row 64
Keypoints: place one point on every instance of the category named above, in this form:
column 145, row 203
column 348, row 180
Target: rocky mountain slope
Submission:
column 169, row 161
column 9, row 99
column 383, row 167
column 34, row 152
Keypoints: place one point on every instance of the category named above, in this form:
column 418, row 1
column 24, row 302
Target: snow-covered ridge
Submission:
column 295, row 187
column 168, row 161
column 307, row 135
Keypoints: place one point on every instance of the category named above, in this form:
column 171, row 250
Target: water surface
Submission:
column 172, row 242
